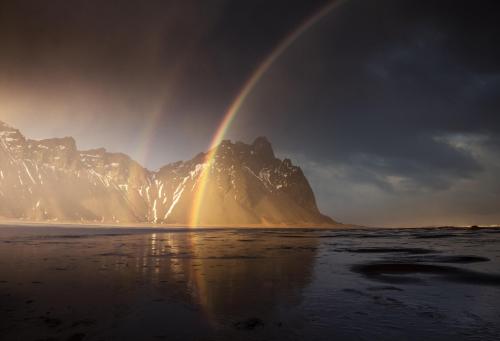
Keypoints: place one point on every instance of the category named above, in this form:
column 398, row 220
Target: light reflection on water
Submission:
column 95, row 284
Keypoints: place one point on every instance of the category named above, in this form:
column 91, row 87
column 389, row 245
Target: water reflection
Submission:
column 230, row 274
column 218, row 279
column 108, row 284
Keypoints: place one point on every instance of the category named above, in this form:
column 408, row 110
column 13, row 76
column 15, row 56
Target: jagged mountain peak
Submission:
column 244, row 184
column 57, row 142
column 5, row 126
column 255, row 155
column 263, row 147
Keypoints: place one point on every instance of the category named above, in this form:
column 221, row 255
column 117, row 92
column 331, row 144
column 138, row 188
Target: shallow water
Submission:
column 127, row 284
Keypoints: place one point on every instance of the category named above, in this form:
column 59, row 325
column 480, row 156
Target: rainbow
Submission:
column 147, row 132
column 240, row 99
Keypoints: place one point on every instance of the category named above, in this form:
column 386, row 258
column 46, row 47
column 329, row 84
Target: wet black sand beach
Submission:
column 60, row 283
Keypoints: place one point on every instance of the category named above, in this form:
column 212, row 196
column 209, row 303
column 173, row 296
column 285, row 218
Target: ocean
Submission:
column 101, row 283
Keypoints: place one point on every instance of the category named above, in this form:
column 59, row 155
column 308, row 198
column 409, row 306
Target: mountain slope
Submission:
column 51, row 180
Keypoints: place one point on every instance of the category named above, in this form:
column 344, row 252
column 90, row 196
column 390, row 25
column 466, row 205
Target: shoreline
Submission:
column 174, row 227
column 178, row 227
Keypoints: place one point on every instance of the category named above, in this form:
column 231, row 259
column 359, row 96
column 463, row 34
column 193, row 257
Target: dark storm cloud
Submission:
column 382, row 85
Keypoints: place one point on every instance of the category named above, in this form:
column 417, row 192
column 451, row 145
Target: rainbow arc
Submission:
column 240, row 99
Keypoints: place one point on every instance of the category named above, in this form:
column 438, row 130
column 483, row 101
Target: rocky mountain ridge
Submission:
column 51, row 180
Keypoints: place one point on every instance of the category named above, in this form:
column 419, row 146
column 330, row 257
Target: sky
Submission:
column 390, row 106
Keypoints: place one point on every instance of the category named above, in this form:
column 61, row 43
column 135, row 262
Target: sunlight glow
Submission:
column 240, row 99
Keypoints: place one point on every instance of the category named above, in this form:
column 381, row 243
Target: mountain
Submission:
column 51, row 180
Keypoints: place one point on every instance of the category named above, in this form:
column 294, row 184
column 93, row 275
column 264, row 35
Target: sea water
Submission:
column 81, row 283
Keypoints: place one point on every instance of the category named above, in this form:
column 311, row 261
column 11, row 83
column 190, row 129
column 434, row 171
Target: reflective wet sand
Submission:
column 129, row 284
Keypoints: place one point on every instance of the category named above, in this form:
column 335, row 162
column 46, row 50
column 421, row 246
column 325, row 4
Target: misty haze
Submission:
column 249, row 170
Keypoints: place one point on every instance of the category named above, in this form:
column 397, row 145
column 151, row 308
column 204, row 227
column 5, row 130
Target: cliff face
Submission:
column 51, row 180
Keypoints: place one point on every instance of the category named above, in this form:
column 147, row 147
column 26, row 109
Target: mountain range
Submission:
column 246, row 185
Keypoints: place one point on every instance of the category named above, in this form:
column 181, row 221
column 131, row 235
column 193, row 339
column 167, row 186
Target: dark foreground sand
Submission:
column 60, row 283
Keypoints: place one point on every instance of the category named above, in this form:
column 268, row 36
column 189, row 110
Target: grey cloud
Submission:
column 380, row 99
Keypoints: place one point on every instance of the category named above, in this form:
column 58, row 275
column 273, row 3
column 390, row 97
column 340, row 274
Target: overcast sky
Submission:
column 389, row 106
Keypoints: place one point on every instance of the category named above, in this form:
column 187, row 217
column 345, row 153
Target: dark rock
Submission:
column 249, row 324
column 76, row 337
